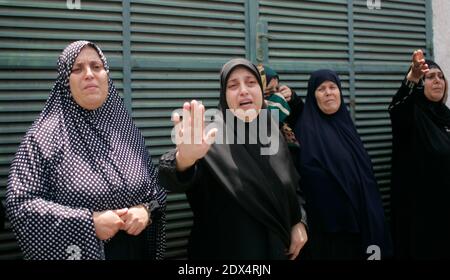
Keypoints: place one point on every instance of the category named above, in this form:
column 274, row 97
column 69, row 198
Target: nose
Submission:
column 89, row 73
column 243, row 89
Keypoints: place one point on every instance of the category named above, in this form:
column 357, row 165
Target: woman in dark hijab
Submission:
column 82, row 184
column 345, row 213
column 286, row 101
column 243, row 199
column 421, row 163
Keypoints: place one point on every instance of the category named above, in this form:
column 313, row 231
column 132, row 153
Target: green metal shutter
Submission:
column 32, row 35
column 369, row 48
column 303, row 36
column 384, row 40
column 167, row 52
column 177, row 51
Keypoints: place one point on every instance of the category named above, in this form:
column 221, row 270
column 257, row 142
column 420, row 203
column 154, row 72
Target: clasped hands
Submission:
column 132, row 220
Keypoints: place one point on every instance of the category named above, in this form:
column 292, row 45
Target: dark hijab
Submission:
column 74, row 161
column 270, row 74
column 264, row 185
column 438, row 112
column 331, row 144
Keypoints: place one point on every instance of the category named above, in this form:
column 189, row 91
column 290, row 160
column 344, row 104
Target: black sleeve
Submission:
column 297, row 210
column 296, row 104
column 403, row 97
column 301, row 202
column 173, row 180
column 402, row 104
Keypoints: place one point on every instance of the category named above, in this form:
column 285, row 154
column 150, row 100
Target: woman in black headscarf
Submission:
column 421, row 163
column 288, row 104
column 243, row 199
column 345, row 213
column 82, row 184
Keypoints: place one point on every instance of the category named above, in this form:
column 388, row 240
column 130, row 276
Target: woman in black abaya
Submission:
column 421, row 163
column 345, row 213
column 244, row 202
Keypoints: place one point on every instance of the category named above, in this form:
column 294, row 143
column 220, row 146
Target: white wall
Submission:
column 441, row 35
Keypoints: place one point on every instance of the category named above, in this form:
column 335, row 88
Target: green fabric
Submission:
column 277, row 101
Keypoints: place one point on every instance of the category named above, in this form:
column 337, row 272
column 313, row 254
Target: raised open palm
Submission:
column 192, row 142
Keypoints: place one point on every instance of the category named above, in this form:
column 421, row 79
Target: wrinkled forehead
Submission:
column 434, row 70
column 240, row 71
column 327, row 83
column 88, row 54
column 70, row 54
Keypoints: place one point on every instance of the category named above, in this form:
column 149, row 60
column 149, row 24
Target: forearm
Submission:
column 171, row 178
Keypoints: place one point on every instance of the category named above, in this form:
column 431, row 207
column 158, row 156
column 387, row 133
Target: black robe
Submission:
column 420, row 175
column 345, row 212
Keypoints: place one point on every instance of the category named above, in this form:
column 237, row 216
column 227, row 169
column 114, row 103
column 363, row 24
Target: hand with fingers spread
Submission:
column 108, row 223
column 136, row 220
column 298, row 240
column 418, row 67
column 192, row 142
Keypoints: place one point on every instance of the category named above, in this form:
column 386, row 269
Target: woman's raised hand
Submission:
column 192, row 142
column 418, row 67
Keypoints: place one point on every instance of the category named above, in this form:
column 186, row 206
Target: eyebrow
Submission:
column 434, row 73
column 89, row 62
column 78, row 64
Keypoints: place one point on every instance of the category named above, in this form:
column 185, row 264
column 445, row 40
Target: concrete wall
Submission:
column 441, row 35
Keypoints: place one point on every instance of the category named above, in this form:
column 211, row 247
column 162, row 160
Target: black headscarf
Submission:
column 270, row 74
column 265, row 186
column 437, row 111
column 420, row 173
column 346, row 187
column 74, row 161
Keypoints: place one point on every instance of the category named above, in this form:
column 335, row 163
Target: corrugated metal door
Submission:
column 161, row 53
column 370, row 48
column 177, row 50
column 165, row 52
column 298, row 37
column 384, row 40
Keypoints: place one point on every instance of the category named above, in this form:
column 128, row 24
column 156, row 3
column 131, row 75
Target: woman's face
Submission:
column 89, row 80
column 328, row 97
column 434, row 85
column 243, row 94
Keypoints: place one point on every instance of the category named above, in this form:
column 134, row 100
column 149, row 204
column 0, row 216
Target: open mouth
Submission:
column 244, row 103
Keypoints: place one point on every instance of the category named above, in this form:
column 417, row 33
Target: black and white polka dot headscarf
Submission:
column 74, row 161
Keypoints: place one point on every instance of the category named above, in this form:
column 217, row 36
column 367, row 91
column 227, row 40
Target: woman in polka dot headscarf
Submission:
column 82, row 184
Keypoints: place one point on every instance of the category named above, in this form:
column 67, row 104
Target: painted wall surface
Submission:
column 441, row 40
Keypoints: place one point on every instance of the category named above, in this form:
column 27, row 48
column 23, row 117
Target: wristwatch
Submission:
column 149, row 212
column 150, row 206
